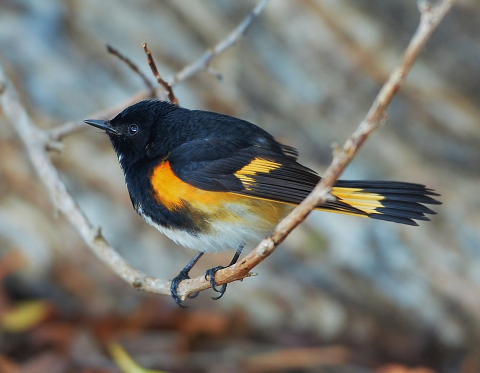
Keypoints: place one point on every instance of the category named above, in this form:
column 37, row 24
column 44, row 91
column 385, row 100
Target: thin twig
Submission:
column 134, row 67
column 35, row 141
column 168, row 88
column 56, row 134
column 232, row 38
column 430, row 19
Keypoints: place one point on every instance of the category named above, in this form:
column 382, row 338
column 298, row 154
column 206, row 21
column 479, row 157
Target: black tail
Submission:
column 384, row 200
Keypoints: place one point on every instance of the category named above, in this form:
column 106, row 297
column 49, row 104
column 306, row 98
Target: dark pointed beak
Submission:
column 102, row 124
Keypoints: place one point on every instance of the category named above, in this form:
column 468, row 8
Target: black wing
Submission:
column 274, row 174
column 229, row 165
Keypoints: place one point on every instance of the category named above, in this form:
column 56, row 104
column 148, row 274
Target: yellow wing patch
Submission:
column 258, row 165
column 208, row 207
column 367, row 202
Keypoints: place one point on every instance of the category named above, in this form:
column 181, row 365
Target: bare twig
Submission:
column 168, row 88
column 430, row 19
column 35, row 141
column 56, row 134
column 134, row 67
column 230, row 40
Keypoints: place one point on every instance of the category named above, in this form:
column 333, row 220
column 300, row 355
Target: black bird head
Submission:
column 136, row 131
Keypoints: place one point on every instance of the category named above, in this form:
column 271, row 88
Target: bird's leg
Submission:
column 183, row 275
column 211, row 273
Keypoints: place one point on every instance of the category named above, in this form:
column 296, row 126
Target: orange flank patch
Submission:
column 222, row 210
column 174, row 193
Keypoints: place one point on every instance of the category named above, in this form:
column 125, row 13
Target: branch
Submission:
column 35, row 141
column 202, row 63
column 430, row 18
column 153, row 66
column 134, row 67
column 58, row 133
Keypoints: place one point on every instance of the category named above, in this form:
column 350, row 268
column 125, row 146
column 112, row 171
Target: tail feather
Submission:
column 391, row 201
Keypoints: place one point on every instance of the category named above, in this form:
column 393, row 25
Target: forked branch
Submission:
column 35, row 141
column 201, row 63
column 431, row 16
column 133, row 67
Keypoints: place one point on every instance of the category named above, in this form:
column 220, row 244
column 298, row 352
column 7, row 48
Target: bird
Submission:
column 213, row 182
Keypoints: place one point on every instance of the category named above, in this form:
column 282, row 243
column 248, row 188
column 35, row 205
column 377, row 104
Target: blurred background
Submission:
column 342, row 294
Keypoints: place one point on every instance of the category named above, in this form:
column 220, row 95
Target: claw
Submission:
column 212, row 271
column 194, row 295
column 222, row 291
column 183, row 275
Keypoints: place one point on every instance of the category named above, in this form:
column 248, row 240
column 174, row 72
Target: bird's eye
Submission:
column 133, row 129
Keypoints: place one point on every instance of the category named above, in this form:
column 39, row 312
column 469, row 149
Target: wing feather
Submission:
column 274, row 174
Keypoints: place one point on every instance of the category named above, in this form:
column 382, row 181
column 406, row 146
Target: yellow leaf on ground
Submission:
column 125, row 362
column 24, row 316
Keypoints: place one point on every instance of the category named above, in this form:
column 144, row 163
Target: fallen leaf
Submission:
column 25, row 315
column 125, row 362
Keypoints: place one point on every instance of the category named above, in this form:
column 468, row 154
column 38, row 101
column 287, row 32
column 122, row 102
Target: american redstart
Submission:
column 212, row 182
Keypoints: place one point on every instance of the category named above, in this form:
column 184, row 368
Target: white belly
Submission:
column 245, row 226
